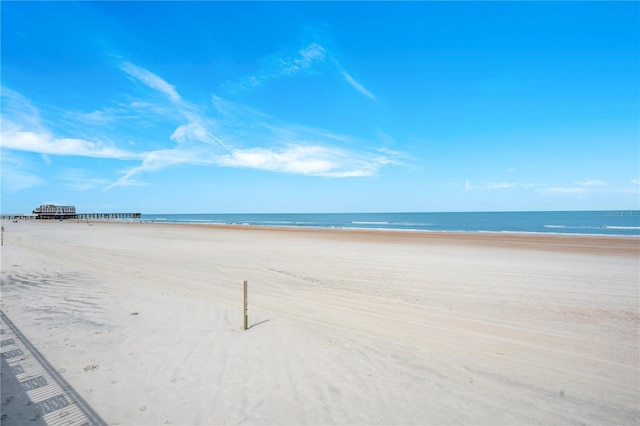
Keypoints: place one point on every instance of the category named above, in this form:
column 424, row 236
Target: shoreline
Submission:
column 335, row 228
column 628, row 245
column 409, row 230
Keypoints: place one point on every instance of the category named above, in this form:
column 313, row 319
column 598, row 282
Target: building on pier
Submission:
column 50, row 211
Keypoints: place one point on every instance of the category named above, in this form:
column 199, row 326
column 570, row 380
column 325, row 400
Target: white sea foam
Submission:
column 581, row 227
column 622, row 227
column 273, row 221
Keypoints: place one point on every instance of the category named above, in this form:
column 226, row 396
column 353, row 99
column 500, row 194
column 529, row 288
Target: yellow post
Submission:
column 246, row 318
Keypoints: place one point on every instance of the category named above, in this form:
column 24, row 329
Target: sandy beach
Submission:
column 144, row 323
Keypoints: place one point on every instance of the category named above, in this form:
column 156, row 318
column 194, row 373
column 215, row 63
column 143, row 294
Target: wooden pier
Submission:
column 17, row 216
column 50, row 211
column 108, row 216
column 78, row 216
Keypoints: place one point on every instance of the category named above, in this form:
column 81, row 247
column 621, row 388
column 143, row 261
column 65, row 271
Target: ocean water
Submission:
column 611, row 222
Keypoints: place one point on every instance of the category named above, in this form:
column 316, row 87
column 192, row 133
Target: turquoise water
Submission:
column 611, row 222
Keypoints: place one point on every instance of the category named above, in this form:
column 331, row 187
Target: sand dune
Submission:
column 144, row 321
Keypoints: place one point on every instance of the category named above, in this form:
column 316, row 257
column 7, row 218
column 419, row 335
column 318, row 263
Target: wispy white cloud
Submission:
column 16, row 180
column 189, row 132
column 13, row 137
column 80, row 180
column 223, row 135
column 359, row 87
column 498, row 185
column 160, row 159
column 296, row 159
column 305, row 59
column 16, row 175
column 23, row 130
column 633, row 188
column 297, row 149
column 282, row 151
column 278, row 66
column 306, row 160
column 578, row 188
column 307, row 56
column 246, row 138
column 565, row 190
column 197, row 130
column 151, row 80
column 99, row 117
column 592, row 183
column 105, row 116
column 18, row 107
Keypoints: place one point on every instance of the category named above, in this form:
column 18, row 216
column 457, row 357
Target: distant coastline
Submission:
column 606, row 222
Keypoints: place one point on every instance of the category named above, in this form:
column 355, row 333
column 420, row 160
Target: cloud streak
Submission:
column 316, row 158
column 490, row 186
column 306, row 160
column 279, row 66
column 305, row 60
column 229, row 140
column 13, row 137
column 579, row 188
column 244, row 138
column 151, row 80
column 156, row 160
column 79, row 180
column 16, row 175
column 223, row 135
column 359, row 87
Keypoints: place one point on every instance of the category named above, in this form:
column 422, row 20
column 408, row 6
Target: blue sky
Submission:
column 206, row 107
